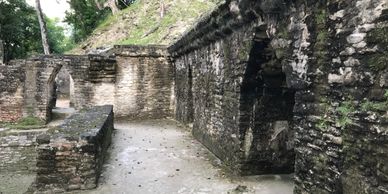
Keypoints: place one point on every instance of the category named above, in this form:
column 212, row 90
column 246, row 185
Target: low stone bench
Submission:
column 70, row 157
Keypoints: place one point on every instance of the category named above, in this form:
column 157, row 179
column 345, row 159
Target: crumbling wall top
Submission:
column 141, row 51
column 225, row 19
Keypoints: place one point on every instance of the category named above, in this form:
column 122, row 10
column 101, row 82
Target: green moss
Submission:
column 321, row 17
column 368, row 105
column 283, row 32
column 344, row 111
column 378, row 62
column 322, row 36
column 29, row 122
column 378, row 36
column 324, row 122
column 374, row 106
column 245, row 49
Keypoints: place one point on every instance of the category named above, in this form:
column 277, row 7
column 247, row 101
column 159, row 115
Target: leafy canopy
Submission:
column 19, row 29
column 84, row 17
column 20, row 32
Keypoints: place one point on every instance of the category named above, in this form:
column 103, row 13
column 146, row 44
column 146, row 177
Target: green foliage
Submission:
column 58, row 41
column 19, row 29
column 324, row 121
column 84, row 17
column 150, row 20
column 29, row 122
column 368, row 105
column 378, row 36
column 345, row 110
column 378, row 62
column 321, row 17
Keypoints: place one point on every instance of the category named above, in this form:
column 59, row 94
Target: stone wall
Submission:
column 231, row 85
column 18, row 151
column 258, row 78
column 144, row 82
column 70, row 157
column 11, row 87
column 138, row 81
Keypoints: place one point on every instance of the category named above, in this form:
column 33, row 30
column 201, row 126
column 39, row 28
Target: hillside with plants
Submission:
column 145, row 22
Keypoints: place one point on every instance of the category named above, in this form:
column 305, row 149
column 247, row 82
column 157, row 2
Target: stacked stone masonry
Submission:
column 18, row 151
column 71, row 156
column 269, row 86
column 266, row 81
column 138, row 82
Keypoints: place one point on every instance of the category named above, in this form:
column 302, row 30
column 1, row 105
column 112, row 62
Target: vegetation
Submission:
column 84, row 17
column 324, row 121
column 375, row 106
column 19, row 29
column 148, row 21
column 25, row 123
column 141, row 23
column 20, row 32
column 345, row 110
column 58, row 41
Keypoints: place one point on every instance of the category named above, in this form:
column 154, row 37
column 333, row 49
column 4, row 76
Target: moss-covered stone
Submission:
column 378, row 61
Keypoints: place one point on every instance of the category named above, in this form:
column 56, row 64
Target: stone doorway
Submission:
column 266, row 112
column 61, row 90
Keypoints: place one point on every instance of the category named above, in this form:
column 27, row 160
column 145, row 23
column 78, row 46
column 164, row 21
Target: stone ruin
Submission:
column 267, row 86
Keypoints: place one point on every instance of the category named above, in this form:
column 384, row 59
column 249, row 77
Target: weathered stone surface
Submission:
column 140, row 84
column 72, row 159
column 332, row 55
column 11, row 91
column 18, row 151
column 144, row 85
column 232, row 87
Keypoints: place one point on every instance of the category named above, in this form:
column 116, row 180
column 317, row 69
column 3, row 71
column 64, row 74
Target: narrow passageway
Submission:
column 161, row 157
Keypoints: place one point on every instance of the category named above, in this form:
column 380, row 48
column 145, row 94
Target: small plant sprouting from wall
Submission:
column 378, row 62
column 368, row 105
column 345, row 110
column 324, row 121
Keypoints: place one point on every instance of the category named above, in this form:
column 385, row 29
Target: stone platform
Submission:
column 70, row 156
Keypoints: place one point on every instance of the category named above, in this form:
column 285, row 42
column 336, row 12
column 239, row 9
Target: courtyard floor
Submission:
column 159, row 156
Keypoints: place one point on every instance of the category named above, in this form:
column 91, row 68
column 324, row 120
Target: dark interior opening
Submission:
column 266, row 107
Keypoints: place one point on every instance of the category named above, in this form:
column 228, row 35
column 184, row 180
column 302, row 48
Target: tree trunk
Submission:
column 161, row 8
column 43, row 29
column 2, row 53
column 112, row 5
column 98, row 4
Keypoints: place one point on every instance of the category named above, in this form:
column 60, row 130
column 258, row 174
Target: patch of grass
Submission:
column 29, row 122
column 147, row 21
column 111, row 19
column 140, row 24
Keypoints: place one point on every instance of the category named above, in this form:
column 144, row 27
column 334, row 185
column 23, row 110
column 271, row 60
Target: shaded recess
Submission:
column 60, row 88
column 266, row 108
